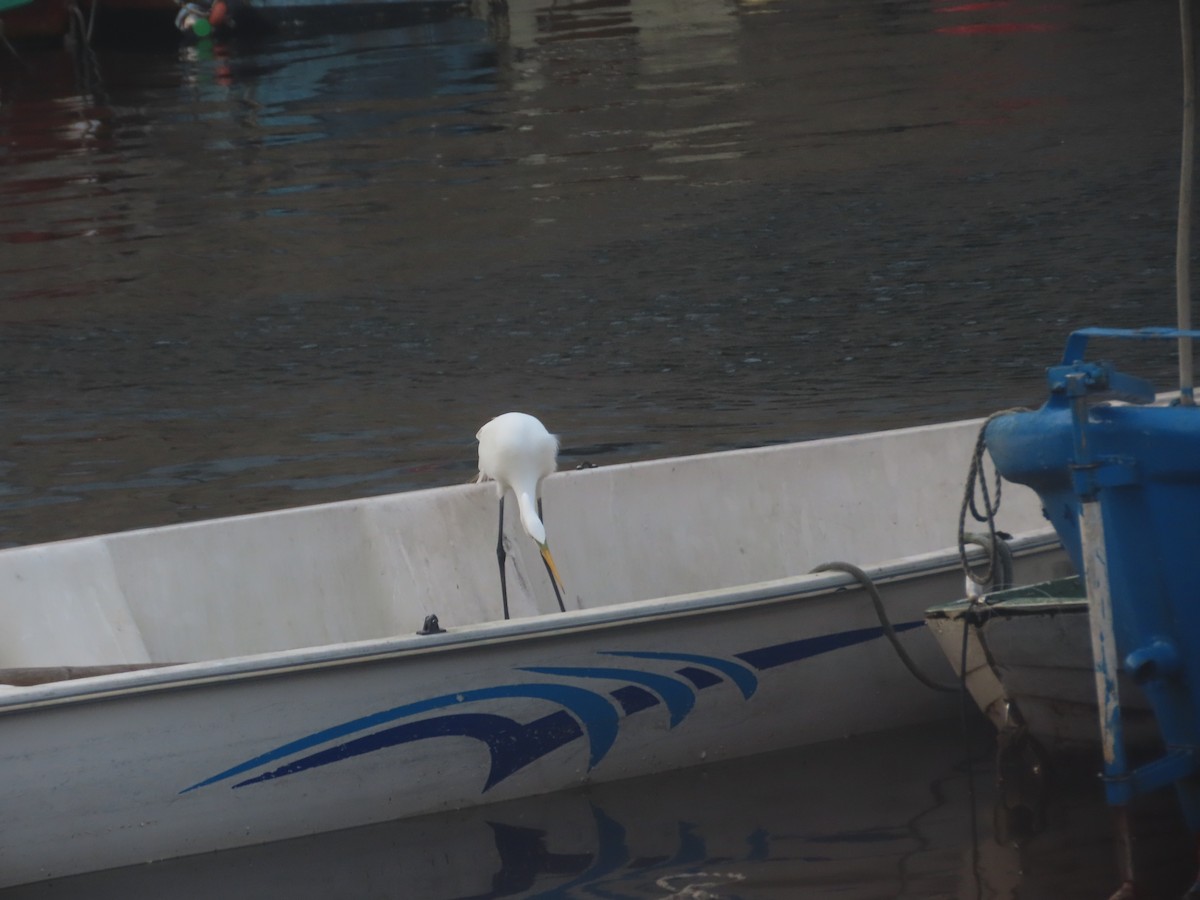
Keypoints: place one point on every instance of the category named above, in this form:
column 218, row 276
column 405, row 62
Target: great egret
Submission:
column 517, row 452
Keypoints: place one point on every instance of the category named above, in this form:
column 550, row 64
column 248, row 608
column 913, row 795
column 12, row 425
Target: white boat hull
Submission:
column 164, row 763
column 693, row 634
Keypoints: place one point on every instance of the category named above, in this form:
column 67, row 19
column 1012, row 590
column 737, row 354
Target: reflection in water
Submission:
column 860, row 814
column 901, row 814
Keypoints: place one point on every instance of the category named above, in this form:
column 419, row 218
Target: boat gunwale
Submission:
column 169, row 676
column 371, row 499
column 1011, row 603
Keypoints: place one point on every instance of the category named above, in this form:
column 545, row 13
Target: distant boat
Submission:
column 237, row 681
column 201, row 17
column 51, row 19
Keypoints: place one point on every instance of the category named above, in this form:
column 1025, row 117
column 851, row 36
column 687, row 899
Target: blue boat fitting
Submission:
column 1168, row 769
column 1157, row 660
column 1121, row 485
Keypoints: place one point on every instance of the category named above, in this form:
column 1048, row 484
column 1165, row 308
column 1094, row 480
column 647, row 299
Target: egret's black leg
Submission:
column 500, row 557
column 553, row 582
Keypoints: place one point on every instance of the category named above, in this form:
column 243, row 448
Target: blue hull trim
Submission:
column 584, row 714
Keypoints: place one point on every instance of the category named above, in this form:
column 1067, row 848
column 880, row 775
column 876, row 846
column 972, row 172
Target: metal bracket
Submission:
column 1178, row 762
column 1078, row 340
column 1098, row 381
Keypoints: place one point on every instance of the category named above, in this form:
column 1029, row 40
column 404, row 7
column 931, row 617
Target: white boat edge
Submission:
column 348, row 653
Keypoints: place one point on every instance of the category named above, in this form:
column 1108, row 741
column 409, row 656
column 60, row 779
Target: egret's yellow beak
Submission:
column 552, row 567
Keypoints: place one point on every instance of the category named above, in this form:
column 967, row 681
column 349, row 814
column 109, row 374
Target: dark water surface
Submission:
column 248, row 275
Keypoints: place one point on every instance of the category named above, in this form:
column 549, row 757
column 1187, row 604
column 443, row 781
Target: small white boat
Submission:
column 1029, row 666
column 1030, row 663
column 262, row 677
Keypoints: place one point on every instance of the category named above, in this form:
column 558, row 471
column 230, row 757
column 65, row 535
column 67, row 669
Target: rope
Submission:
column 889, row 632
column 997, row 575
column 963, row 712
column 976, row 477
column 1000, row 552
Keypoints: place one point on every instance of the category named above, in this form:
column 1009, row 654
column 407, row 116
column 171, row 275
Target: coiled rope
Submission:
column 985, row 577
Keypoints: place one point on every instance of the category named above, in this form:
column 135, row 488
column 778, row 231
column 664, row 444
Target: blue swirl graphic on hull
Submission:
column 583, row 714
column 678, row 696
column 745, row 680
column 589, row 707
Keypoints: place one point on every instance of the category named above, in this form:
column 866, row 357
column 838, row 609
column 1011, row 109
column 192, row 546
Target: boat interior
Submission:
column 376, row 567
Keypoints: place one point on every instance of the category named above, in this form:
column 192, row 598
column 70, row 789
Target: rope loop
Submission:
column 977, row 481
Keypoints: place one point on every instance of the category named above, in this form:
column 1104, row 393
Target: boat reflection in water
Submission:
column 889, row 813
column 896, row 814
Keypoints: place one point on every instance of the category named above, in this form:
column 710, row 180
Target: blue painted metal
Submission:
column 1127, row 478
